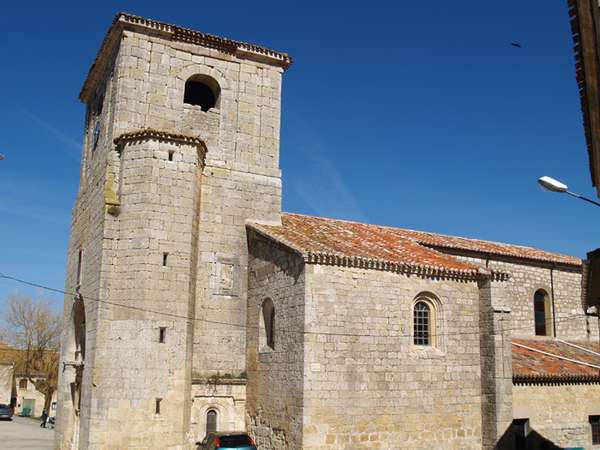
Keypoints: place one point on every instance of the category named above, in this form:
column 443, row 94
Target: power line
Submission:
column 246, row 326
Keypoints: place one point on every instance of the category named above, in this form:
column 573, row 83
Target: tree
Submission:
column 34, row 330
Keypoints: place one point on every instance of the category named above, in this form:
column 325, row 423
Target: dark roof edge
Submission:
column 163, row 136
column 555, row 379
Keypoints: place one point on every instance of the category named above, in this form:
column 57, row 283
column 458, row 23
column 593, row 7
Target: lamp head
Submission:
column 550, row 184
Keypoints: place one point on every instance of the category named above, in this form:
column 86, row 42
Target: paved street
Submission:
column 25, row 434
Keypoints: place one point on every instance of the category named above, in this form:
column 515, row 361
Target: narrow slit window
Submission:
column 542, row 313
column 267, row 325
column 157, row 406
column 79, row 264
column 171, row 153
column 162, row 333
column 165, row 258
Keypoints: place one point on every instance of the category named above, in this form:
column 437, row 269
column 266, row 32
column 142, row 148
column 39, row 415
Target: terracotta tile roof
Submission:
column 490, row 247
column 560, row 361
column 340, row 242
column 177, row 33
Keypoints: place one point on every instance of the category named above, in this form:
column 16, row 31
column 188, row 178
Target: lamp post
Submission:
column 552, row 185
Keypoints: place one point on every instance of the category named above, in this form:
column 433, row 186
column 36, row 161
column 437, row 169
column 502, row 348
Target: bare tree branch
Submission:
column 33, row 328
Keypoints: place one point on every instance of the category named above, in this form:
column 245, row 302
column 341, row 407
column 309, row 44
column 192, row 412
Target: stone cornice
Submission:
column 220, row 381
column 330, row 259
column 555, row 379
column 420, row 270
column 122, row 21
column 161, row 136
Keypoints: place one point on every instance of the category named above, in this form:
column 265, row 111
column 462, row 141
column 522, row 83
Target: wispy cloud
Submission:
column 321, row 185
column 71, row 147
column 55, row 216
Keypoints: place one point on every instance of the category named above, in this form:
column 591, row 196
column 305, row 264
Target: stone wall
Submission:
column 87, row 237
column 558, row 412
column 241, row 179
column 133, row 370
column 275, row 375
column 525, row 279
column 134, row 205
column 367, row 384
column 226, row 396
column 496, row 362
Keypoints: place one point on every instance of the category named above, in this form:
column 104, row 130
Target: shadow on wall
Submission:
column 520, row 437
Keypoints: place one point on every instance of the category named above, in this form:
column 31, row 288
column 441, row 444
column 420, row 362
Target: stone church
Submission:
column 198, row 305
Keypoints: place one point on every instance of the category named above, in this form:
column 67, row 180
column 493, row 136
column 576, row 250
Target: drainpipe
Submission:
column 552, row 294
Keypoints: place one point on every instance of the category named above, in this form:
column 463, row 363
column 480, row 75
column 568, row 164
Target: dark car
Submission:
column 227, row 440
column 6, row 411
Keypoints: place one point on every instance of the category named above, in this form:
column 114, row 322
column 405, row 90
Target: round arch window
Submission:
column 202, row 91
column 211, row 421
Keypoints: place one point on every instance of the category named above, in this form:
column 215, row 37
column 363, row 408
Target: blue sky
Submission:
column 414, row 114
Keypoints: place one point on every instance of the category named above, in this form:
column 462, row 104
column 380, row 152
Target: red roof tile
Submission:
column 489, row 247
column 321, row 240
column 544, row 360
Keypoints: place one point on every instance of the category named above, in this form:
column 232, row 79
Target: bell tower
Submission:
column 181, row 147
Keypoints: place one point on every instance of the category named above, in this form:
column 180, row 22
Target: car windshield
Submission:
column 235, row 440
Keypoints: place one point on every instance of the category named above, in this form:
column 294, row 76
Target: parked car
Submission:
column 6, row 411
column 227, row 440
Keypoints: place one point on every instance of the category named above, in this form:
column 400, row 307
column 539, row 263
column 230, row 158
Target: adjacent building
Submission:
column 29, row 400
column 585, row 20
column 18, row 388
column 6, row 382
column 198, row 305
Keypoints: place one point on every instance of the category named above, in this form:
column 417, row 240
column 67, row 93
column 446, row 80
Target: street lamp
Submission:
column 550, row 184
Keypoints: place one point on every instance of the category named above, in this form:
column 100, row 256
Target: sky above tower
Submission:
column 413, row 114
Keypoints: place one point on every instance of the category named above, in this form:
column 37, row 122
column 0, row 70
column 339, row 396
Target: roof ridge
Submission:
column 434, row 234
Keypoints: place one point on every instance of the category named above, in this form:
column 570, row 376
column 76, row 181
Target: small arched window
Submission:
column 542, row 313
column 267, row 338
column 211, row 421
column 203, row 91
column 422, row 321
